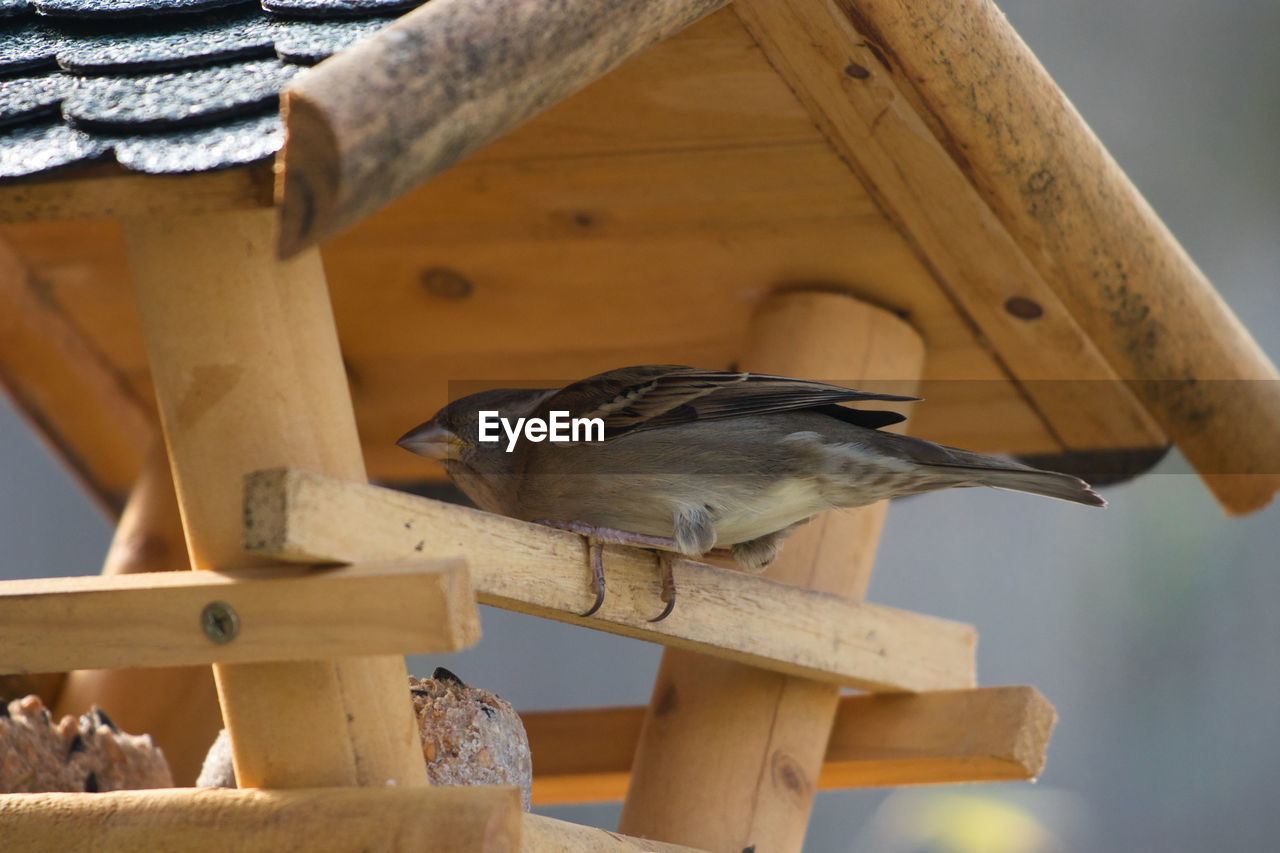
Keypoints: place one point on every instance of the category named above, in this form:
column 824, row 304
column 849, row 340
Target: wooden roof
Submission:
column 923, row 162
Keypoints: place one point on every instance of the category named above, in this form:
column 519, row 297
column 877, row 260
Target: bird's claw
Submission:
column 596, row 551
column 668, row 586
column 596, row 539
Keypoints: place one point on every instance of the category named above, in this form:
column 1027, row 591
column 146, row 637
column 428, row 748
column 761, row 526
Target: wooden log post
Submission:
column 729, row 755
column 177, row 706
column 248, row 374
column 1051, row 185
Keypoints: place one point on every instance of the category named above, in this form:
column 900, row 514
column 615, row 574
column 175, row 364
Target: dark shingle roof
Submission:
column 163, row 86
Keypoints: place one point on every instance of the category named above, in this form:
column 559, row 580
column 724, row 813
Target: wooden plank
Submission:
column 1014, row 145
column 988, row 734
column 248, row 373
column 318, row 820
column 977, row 262
column 108, row 190
column 728, row 754
column 293, row 515
column 177, row 706
column 548, row 835
column 284, row 613
column 344, row 159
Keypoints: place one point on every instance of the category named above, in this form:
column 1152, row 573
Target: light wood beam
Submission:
column 989, row 734
column 248, row 374
column 529, row 568
column 375, row 120
column 280, row 613
column 944, row 112
column 729, row 755
column 317, row 820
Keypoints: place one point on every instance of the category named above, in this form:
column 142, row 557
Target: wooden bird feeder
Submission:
column 861, row 191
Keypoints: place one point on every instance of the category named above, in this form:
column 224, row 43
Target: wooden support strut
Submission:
column 439, row 83
column 248, row 374
column 729, row 755
column 177, row 706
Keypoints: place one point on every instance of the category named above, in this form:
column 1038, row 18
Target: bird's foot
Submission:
column 668, row 584
column 598, row 537
column 596, row 553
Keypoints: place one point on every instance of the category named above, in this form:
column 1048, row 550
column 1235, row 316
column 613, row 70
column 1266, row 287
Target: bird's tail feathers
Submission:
column 1051, row 484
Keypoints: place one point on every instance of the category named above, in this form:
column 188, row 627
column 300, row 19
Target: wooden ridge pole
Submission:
column 177, row 706
column 442, row 81
column 729, row 755
column 248, row 374
column 1052, row 185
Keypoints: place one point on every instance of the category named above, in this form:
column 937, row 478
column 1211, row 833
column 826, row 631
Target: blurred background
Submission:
column 1153, row 627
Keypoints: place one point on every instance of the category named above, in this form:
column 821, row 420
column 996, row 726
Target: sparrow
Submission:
column 685, row 460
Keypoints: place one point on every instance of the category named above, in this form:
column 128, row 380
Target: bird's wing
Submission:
column 630, row 399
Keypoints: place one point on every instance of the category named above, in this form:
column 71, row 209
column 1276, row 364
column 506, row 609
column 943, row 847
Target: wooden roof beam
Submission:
column 453, row 75
column 958, row 69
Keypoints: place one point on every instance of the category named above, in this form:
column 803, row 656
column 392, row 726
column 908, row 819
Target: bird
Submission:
column 685, row 460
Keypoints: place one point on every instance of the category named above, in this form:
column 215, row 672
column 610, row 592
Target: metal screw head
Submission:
column 219, row 622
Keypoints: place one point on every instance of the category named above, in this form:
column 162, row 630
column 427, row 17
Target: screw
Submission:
column 220, row 622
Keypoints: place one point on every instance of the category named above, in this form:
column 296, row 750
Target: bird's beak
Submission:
column 432, row 441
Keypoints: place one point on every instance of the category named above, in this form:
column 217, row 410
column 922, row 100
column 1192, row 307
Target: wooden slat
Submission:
column 292, row 515
column 108, row 190
column 285, row 613
column 989, row 734
column 990, row 124
column 317, row 820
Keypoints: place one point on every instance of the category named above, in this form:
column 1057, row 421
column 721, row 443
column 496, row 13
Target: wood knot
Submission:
column 1023, row 308
column 856, row 71
column 666, row 701
column 788, row 775
column 446, row 283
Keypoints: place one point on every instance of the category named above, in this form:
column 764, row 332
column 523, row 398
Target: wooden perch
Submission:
column 432, row 820
column 293, row 515
column 1047, row 182
column 439, row 83
column 283, row 613
column 989, row 734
